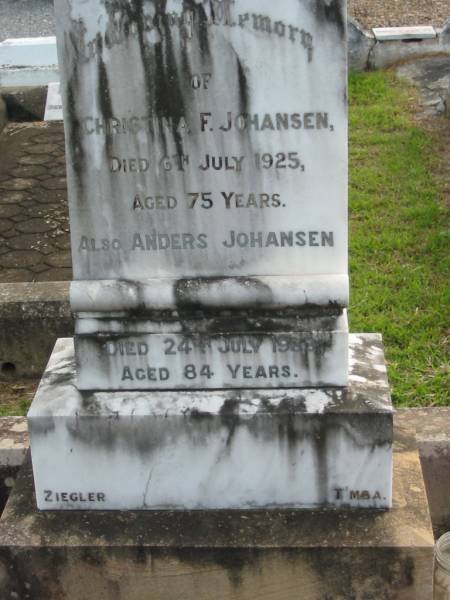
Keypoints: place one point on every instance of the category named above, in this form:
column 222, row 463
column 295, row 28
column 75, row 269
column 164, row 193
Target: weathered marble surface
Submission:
column 155, row 86
column 150, row 295
column 223, row 449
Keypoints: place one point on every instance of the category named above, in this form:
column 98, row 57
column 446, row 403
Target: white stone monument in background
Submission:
column 211, row 365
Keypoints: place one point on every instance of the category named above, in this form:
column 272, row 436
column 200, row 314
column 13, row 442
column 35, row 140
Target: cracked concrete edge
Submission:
column 36, row 291
column 360, row 46
column 32, row 317
column 31, row 300
column 432, row 427
column 13, row 441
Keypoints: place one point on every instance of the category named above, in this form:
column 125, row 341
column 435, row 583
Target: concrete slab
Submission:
column 32, row 317
column 231, row 554
column 431, row 76
column 28, row 52
column 421, row 32
column 28, row 61
column 28, row 76
column 433, row 437
column 13, row 449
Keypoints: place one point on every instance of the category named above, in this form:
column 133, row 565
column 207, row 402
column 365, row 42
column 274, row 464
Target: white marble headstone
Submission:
column 206, row 140
column 207, row 170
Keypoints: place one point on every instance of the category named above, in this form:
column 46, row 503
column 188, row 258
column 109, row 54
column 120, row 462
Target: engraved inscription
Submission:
column 345, row 494
column 187, row 241
column 156, row 25
column 52, row 496
column 208, row 122
column 163, row 361
column 226, row 153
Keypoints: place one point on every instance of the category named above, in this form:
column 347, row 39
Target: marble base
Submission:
column 209, row 450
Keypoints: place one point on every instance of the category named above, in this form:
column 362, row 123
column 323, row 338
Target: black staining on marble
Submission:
column 135, row 290
column 72, row 122
column 164, row 81
column 42, row 426
column 91, row 404
column 331, row 12
column 199, row 415
column 104, row 94
column 192, row 317
column 374, row 430
column 243, row 87
column 322, row 450
column 287, row 405
column 288, row 433
column 230, row 419
column 188, row 292
column 113, row 433
column 318, row 344
column 286, row 421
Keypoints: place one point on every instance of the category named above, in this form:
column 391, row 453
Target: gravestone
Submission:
column 207, row 172
column 199, row 181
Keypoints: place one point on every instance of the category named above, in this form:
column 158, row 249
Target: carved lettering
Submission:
column 52, row 496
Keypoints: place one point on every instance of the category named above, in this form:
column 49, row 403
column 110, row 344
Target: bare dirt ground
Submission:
column 16, row 395
column 397, row 13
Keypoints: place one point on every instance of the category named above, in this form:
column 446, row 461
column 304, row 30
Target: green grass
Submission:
column 399, row 242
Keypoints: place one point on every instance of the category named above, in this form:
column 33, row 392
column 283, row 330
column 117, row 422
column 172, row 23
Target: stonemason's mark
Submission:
column 51, row 496
column 346, row 494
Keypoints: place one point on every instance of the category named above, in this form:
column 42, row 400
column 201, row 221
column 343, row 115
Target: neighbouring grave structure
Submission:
column 212, row 365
